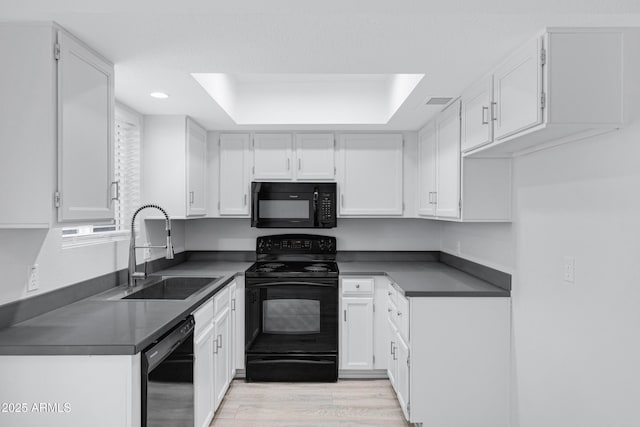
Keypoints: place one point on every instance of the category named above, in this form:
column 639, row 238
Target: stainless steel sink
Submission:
column 176, row 288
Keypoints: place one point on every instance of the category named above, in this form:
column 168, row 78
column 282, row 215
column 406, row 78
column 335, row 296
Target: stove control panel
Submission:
column 296, row 244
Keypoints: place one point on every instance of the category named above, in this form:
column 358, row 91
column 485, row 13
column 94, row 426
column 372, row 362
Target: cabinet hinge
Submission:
column 543, row 100
column 56, row 51
column 56, row 199
column 543, row 56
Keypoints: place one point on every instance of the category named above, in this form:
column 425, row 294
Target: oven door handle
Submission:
column 297, row 283
column 301, row 361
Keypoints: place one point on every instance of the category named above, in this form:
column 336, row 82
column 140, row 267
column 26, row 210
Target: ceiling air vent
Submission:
column 438, row 100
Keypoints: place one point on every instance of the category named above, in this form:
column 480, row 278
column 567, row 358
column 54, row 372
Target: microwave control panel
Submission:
column 327, row 209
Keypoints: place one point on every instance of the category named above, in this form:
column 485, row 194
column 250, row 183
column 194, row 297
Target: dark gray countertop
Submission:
column 99, row 326
column 425, row 279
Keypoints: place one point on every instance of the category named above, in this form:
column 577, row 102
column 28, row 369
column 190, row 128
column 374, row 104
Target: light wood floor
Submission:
column 345, row 403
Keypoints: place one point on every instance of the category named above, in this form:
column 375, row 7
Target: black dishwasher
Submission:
column 167, row 379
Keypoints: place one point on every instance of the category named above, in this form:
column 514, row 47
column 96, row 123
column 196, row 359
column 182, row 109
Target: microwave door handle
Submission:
column 316, row 220
column 256, row 211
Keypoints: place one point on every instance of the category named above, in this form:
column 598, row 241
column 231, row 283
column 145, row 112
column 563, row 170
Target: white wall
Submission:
column 365, row 234
column 576, row 346
column 59, row 267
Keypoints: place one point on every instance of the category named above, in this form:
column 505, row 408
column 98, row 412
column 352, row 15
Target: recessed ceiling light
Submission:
column 159, row 95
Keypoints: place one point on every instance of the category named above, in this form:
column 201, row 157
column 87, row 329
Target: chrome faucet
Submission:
column 139, row 275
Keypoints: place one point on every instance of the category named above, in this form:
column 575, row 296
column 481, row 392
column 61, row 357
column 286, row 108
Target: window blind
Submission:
column 126, row 168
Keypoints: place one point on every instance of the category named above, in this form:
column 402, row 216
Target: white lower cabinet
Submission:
column 402, row 374
column 203, row 346
column 363, row 327
column 357, row 333
column 233, row 326
column 222, row 347
column 214, row 352
column 451, row 367
column 203, row 380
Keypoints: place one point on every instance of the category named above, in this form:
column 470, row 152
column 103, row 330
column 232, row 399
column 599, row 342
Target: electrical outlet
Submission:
column 33, row 283
column 569, row 269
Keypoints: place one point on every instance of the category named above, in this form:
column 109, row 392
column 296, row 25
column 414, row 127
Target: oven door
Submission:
column 291, row 329
column 282, row 209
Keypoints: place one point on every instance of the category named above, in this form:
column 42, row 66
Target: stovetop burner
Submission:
column 294, row 255
column 316, row 267
column 285, row 268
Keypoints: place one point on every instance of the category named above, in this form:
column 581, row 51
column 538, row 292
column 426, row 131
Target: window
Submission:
column 127, row 167
column 126, row 172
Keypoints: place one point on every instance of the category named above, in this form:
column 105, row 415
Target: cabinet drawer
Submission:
column 203, row 316
column 357, row 286
column 402, row 316
column 221, row 300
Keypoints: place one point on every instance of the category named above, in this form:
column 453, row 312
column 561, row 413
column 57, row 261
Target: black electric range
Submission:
column 291, row 309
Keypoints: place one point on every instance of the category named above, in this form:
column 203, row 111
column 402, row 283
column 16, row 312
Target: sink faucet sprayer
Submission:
column 133, row 274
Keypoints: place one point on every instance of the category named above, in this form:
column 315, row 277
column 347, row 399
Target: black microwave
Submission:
column 293, row 204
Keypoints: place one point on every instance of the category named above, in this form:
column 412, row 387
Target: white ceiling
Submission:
column 157, row 44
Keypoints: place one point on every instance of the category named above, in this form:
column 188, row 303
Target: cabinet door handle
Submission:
column 233, row 304
column 299, row 164
column 288, row 164
column 116, row 195
column 388, row 310
column 342, row 200
column 435, row 197
column 345, row 315
column 399, row 313
column 392, row 351
column 494, row 117
column 219, row 342
column 244, row 200
column 485, row 111
column 191, row 197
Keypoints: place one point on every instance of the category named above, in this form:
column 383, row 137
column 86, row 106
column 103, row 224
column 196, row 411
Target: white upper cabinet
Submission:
column 562, row 85
column 58, row 112
column 370, row 175
column 315, row 157
column 85, row 129
column 174, row 165
column 477, row 128
column 272, row 156
column 455, row 188
column 427, row 153
column 518, row 91
column 196, row 169
column 448, row 164
column 234, row 173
